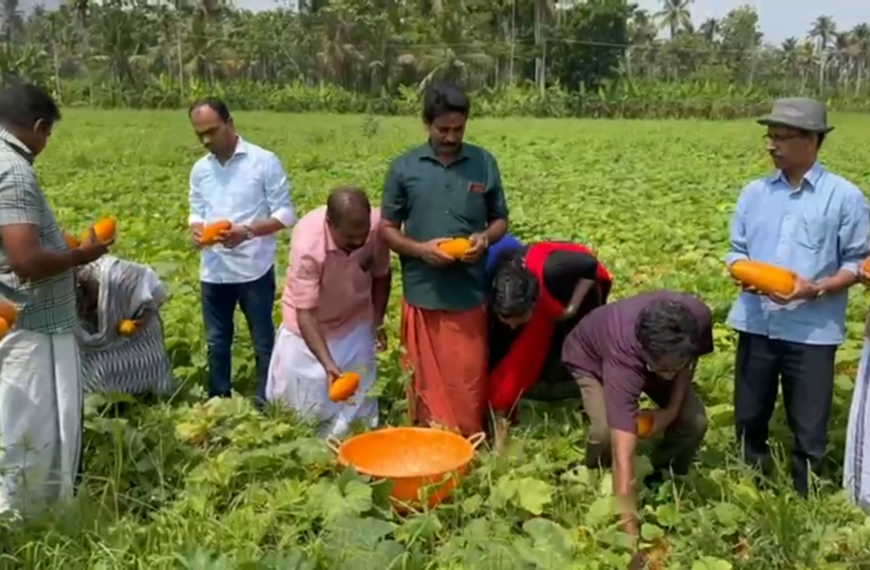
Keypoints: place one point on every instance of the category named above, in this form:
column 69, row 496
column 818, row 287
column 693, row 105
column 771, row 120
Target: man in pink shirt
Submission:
column 338, row 286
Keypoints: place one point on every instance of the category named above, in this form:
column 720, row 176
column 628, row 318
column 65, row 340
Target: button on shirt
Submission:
column 50, row 305
column 815, row 230
column 335, row 283
column 251, row 185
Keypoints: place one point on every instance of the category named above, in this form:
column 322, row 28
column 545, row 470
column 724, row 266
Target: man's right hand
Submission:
column 434, row 255
column 332, row 373
column 196, row 235
column 92, row 248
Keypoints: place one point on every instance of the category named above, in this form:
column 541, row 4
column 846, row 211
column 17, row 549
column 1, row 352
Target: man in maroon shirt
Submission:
column 647, row 343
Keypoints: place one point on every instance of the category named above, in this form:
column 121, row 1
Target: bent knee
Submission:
column 696, row 422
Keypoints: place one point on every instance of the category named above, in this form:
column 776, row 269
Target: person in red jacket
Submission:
column 539, row 294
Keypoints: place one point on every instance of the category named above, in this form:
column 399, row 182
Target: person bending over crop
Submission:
column 40, row 372
column 649, row 343
column 334, row 302
column 443, row 189
column 121, row 334
column 814, row 223
column 538, row 296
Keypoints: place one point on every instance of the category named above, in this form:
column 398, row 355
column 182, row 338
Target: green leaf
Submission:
column 667, row 515
column 358, row 497
column 600, row 512
column 534, row 495
column 650, row 532
column 710, row 563
column 421, row 527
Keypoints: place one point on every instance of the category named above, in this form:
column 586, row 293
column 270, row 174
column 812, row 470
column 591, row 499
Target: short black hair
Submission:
column 23, row 104
column 668, row 328
column 821, row 140
column 515, row 291
column 213, row 103
column 441, row 98
column 347, row 202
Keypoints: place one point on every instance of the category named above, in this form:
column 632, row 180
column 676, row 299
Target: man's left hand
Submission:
column 234, row 236
column 662, row 418
column 479, row 243
column 803, row 291
column 380, row 335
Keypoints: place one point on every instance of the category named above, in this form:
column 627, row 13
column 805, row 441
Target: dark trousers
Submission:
column 219, row 300
column 807, row 373
column 554, row 383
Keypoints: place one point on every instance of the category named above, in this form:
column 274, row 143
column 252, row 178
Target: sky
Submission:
column 780, row 19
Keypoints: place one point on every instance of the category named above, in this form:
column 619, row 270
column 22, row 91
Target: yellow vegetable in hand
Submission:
column 128, row 327
column 455, row 248
column 344, row 387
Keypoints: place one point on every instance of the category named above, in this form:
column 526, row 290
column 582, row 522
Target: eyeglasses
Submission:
column 777, row 139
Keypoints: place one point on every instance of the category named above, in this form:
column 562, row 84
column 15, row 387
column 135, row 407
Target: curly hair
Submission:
column 514, row 290
column 668, row 328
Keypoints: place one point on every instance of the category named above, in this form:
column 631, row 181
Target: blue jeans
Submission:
column 219, row 300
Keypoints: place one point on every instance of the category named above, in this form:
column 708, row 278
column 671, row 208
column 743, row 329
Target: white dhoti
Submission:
column 40, row 419
column 856, row 468
column 297, row 379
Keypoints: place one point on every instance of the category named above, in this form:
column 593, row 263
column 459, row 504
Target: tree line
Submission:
column 603, row 58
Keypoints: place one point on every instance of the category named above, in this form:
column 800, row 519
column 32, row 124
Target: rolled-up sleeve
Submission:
column 496, row 203
column 854, row 232
column 394, row 199
column 19, row 196
column 277, row 185
column 303, row 276
column 196, row 199
column 738, row 248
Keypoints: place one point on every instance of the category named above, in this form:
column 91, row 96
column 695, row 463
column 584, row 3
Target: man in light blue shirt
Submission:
column 246, row 185
column 817, row 224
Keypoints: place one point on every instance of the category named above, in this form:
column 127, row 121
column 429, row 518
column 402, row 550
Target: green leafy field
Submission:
column 187, row 484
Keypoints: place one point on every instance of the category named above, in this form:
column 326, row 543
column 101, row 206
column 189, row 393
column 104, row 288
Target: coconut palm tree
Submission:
column 675, row 16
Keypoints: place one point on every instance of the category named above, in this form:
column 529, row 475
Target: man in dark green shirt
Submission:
column 441, row 190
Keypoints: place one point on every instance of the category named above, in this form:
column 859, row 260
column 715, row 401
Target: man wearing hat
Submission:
column 815, row 223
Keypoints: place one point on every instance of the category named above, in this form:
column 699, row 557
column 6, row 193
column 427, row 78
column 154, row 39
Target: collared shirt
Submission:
column 604, row 346
column 435, row 201
column 816, row 230
column 323, row 277
column 51, row 302
column 251, row 185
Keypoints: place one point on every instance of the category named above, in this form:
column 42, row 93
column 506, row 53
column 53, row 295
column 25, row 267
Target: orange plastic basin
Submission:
column 414, row 459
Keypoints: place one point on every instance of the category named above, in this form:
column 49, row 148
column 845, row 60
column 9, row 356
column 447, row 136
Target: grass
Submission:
column 181, row 484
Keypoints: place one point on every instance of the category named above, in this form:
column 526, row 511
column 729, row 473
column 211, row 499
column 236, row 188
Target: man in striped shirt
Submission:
column 40, row 376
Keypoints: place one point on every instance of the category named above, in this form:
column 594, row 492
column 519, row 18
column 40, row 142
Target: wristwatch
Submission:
column 820, row 293
column 249, row 233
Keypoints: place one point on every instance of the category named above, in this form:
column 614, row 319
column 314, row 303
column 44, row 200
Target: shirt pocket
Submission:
column 474, row 201
column 813, row 231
